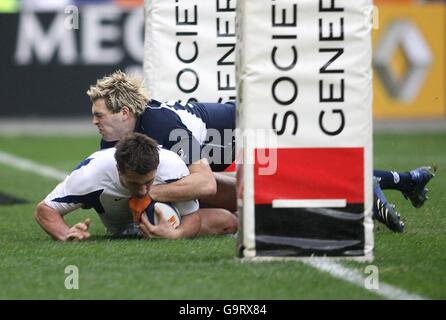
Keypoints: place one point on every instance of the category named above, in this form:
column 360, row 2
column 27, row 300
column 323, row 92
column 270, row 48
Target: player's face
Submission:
column 110, row 125
column 137, row 184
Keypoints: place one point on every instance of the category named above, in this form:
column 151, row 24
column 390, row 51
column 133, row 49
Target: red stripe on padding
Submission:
column 311, row 173
column 231, row 168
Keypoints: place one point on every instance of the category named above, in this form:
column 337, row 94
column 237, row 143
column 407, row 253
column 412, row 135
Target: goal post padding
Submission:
column 303, row 98
column 189, row 50
column 304, row 120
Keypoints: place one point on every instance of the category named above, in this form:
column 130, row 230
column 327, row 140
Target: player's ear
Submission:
column 126, row 111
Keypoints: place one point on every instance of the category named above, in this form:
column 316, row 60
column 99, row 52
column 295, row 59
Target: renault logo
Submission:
column 403, row 35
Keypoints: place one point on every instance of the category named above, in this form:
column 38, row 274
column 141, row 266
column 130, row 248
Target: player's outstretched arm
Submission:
column 53, row 223
column 200, row 183
column 189, row 227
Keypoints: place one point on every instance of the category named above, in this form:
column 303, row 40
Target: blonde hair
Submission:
column 119, row 90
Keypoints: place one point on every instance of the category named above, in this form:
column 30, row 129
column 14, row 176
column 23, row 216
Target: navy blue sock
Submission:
column 401, row 181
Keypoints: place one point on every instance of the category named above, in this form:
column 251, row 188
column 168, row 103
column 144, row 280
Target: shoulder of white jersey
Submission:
column 99, row 166
column 103, row 159
column 171, row 167
column 104, row 153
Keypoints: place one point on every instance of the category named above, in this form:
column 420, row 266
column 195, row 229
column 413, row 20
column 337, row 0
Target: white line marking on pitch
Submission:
column 336, row 270
column 31, row 166
column 309, row 203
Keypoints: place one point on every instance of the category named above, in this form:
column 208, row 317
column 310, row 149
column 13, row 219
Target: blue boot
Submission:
column 417, row 194
column 383, row 211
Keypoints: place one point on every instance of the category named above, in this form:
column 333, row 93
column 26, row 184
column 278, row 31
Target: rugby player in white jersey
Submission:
column 106, row 181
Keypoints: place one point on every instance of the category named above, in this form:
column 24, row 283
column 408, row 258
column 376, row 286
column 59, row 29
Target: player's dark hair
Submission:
column 137, row 153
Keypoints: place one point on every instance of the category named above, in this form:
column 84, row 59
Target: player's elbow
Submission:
column 205, row 177
column 208, row 184
column 210, row 188
column 39, row 213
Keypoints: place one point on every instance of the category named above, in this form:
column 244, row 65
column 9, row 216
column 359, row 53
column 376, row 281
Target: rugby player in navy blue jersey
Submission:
column 120, row 105
column 190, row 130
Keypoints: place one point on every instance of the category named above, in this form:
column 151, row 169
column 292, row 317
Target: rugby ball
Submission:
column 170, row 213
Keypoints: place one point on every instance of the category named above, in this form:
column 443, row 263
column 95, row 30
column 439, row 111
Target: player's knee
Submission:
column 231, row 224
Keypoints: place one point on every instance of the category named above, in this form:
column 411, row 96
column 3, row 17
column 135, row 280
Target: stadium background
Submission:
column 44, row 76
column 57, row 67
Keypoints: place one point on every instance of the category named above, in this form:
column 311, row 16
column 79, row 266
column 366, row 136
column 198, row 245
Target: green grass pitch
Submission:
column 32, row 266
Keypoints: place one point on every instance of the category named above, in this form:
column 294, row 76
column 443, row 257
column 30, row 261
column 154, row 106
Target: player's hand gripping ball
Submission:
column 138, row 206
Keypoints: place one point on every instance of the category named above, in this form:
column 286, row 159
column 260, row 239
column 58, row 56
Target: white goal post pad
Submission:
column 304, row 120
column 189, row 50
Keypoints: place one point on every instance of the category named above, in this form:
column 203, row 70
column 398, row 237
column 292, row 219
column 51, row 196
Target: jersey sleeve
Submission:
column 79, row 189
column 52, row 200
column 186, row 207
